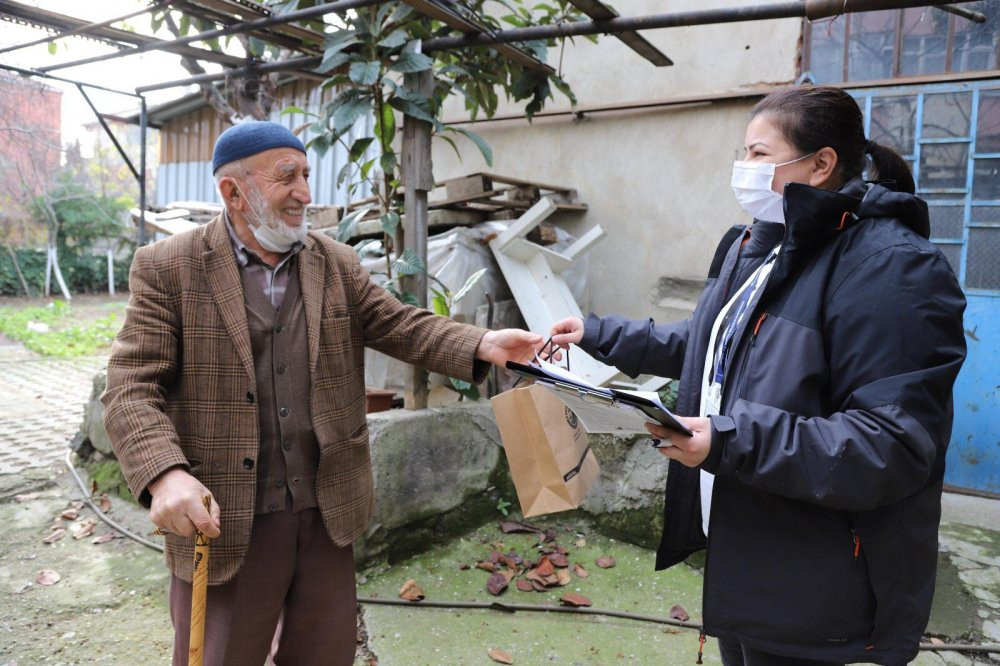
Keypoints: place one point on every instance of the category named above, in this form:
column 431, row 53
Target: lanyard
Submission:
column 736, row 314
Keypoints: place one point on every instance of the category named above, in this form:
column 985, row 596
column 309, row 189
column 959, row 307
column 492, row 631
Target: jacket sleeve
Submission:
column 143, row 364
column 895, row 343
column 636, row 346
column 416, row 335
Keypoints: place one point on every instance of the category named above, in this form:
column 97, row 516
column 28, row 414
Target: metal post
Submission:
column 142, row 171
column 419, row 180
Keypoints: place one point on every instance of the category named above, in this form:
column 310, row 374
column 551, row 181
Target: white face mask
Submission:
column 752, row 186
column 271, row 232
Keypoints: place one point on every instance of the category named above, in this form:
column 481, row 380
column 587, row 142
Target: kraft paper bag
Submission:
column 550, row 459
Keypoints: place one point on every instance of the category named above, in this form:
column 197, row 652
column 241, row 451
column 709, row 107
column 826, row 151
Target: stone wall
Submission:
column 439, row 472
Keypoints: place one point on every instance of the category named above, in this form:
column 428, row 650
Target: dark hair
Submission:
column 814, row 117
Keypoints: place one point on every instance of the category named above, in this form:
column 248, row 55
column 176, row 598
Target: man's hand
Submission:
column 566, row 332
column 508, row 344
column 690, row 451
column 177, row 505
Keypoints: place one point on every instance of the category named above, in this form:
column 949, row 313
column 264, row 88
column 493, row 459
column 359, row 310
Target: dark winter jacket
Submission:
column 836, row 414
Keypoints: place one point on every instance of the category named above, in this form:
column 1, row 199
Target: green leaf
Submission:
column 320, row 144
column 484, row 147
column 333, row 61
column 413, row 104
column 409, row 264
column 470, row 391
column 366, row 167
column 185, row 24
column 365, row 248
column 404, row 296
column 339, row 40
column 469, row 284
column 349, row 111
column 359, row 147
column 348, row 227
column 390, row 221
column 387, row 161
column 292, row 109
column 450, row 143
column 344, row 173
column 53, row 47
column 395, row 39
column 411, row 61
column 256, row 45
column 385, row 125
column 440, row 305
column 380, row 16
column 365, row 73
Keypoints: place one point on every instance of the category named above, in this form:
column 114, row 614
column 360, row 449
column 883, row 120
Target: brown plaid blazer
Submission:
column 181, row 387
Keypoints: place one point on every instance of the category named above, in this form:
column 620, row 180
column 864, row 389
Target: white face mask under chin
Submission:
column 263, row 230
column 752, row 186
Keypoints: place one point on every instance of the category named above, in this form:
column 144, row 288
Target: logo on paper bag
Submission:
column 571, row 418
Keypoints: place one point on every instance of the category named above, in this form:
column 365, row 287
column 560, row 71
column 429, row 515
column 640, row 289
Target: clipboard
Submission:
column 601, row 410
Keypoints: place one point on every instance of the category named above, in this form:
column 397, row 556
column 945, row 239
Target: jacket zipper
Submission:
column 745, row 361
column 857, row 544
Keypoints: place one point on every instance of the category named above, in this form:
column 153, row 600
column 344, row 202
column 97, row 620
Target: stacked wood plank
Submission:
column 476, row 198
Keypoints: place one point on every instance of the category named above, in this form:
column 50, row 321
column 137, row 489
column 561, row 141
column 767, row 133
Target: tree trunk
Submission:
column 54, row 267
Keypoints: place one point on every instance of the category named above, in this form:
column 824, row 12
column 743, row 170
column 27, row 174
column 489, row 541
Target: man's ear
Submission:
column 824, row 166
column 229, row 191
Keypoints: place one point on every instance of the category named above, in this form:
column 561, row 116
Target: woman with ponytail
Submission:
column 816, row 374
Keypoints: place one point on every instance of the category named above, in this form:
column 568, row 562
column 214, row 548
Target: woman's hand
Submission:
column 566, row 332
column 688, row 450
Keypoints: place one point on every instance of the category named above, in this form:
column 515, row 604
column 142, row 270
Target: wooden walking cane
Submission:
column 199, row 589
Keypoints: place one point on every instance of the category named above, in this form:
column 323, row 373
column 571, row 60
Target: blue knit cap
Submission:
column 250, row 138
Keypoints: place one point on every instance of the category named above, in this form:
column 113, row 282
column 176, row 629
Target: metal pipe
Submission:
column 84, row 28
column 304, row 62
column 811, row 9
column 107, row 130
column 975, row 17
column 242, row 26
column 35, row 72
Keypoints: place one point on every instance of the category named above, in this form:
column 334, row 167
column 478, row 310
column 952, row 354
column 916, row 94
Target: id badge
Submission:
column 713, row 399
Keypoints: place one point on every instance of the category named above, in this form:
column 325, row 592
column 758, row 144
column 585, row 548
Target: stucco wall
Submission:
column 657, row 180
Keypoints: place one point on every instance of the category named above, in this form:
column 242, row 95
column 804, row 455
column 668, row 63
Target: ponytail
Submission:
column 888, row 166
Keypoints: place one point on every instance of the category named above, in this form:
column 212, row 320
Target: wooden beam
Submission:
column 597, row 10
column 453, row 20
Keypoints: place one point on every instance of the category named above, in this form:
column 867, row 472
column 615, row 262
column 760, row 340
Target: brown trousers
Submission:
column 292, row 571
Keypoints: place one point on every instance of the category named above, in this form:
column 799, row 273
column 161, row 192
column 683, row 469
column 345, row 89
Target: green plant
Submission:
column 503, row 506
column 63, row 339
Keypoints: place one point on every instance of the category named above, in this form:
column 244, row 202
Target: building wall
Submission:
column 657, row 180
column 30, row 149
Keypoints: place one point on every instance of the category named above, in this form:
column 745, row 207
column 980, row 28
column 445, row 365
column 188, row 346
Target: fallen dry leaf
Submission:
column 514, row 526
column 47, row 577
column 487, row 566
column 580, row 571
column 464, row 567
column 538, row 587
column 27, row 497
column 559, row 559
column 936, row 641
column 606, row 562
column 678, row 613
column 574, row 599
column 544, row 566
column 84, row 528
column 581, row 543
column 496, row 584
column 76, row 504
column 525, row 585
column 57, row 533
column 106, row 537
column 500, row 656
column 103, row 502
column 70, row 514
column 563, row 577
column 411, row 591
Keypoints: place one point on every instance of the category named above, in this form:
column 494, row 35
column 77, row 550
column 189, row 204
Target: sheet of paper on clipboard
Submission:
column 601, row 410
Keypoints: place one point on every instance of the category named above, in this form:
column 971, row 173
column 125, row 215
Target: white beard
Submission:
column 271, row 218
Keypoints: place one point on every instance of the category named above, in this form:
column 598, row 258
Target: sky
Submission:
column 124, row 73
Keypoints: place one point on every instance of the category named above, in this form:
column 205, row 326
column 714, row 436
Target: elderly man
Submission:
column 238, row 374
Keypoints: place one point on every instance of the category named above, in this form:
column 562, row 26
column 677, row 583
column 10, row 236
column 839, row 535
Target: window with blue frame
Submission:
column 890, row 44
column 950, row 135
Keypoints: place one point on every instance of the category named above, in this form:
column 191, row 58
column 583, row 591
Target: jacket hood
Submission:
column 812, row 214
